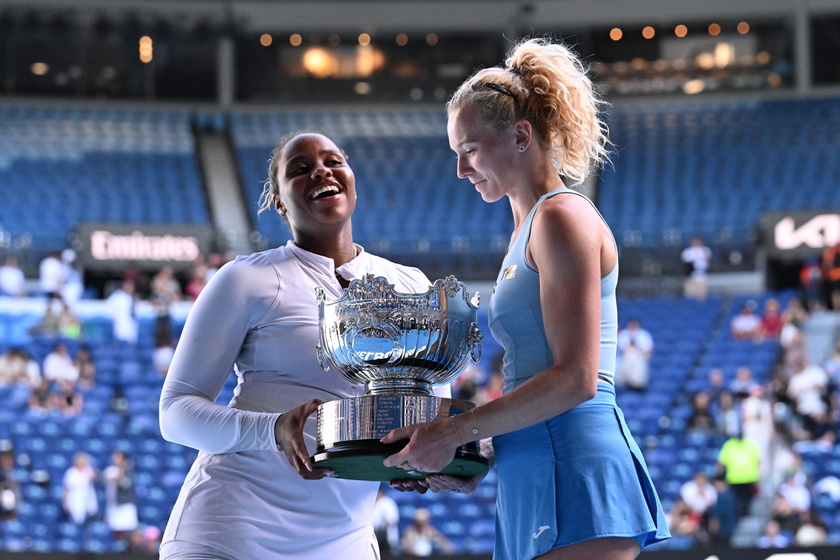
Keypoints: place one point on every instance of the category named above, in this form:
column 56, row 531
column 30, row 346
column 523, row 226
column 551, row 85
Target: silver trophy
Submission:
column 398, row 345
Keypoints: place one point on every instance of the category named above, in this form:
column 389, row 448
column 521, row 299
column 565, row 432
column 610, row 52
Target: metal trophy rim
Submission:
column 398, row 345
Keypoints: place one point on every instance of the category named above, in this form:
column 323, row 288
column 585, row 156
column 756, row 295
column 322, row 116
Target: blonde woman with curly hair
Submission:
column 572, row 482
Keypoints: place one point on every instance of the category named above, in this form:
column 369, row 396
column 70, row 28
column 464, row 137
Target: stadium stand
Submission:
column 128, row 162
column 671, row 157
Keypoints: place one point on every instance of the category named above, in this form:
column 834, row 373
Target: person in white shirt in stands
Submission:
column 12, row 279
column 746, row 325
column 699, row 496
column 696, row 257
column 386, row 523
column 121, row 306
column 635, row 348
column 253, row 491
column 58, row 365
column 52, row 275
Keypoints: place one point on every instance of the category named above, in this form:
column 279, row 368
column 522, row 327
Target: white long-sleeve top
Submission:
column 242, row 499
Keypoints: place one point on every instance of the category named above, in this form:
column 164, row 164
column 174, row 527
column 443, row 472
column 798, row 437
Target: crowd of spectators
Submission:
column 59, row 278
column 767, row 426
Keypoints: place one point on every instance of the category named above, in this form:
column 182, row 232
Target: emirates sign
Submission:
column 111, row 246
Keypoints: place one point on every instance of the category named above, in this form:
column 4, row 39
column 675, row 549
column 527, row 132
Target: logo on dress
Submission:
column 541, row 530
column 509, row 272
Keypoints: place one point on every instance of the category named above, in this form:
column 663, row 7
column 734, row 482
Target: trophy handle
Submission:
column 322, row 358
column 474, row 340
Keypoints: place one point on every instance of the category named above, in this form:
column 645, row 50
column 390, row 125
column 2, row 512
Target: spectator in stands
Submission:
column 41, row 400
column 746, row 325
column 516, row 135
column 52, row 275
column 812, row 284
column 793, row 317
column 822, row 440
column 12, row 279
column 723, row 515
column 635, row 348
column 50, row 324
column 773, row 537
column 422, row 539
column 701, row 417
column 84, row 364
column 757, row 420
column 166, row 289
column 796, row 492
column 198, row 276
column 812, row 530
column 466, row 386
column 122, row 304
column 10, row 492
column 832, row 363
column 120, row 497
column 164, row 349
column 685, row 526
column 697, row 257
column 741, row 386
column 386, row 523
column 66, row 398
column 771, row 320
column 740, row 460
column 258, row 315
column 699, row 496
column 73, row 287
column 807, row 387
column 727, row 414
column 829, row 485
column 139, row 280
column 146, row 539
column 783, row 513
column 493, row 389
column 58, row 365
column 831, row 265
column 69, row 323
column 18, row 367
column 215, row 261
column 717, row 384
column 79, row 498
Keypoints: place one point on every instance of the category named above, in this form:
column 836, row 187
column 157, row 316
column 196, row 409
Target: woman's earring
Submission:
column 521, row 148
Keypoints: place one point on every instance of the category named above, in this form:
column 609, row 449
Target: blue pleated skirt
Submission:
column 575, row 477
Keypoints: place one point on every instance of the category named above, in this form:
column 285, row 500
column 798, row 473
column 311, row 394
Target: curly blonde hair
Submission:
column 545, row 83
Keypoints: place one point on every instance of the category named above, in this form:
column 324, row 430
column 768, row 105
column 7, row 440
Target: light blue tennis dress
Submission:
column 579, row 475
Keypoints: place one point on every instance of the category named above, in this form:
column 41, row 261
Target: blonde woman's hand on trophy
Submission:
column 431, row 446
column 288, row 435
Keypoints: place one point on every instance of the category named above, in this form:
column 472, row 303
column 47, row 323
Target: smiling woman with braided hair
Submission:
column 253, row 491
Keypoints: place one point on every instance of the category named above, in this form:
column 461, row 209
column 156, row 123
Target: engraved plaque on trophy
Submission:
column 399, row 346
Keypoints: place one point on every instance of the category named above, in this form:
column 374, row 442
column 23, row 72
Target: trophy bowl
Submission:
column 399, row 346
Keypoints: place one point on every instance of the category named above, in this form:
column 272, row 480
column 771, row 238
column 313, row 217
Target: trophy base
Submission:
column 349, row 431
column 362, row 460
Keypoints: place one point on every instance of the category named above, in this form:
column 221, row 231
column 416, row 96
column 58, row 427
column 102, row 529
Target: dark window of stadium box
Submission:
column 697, row 57
column 56, row 53
column 335, row 67
column 825, row 41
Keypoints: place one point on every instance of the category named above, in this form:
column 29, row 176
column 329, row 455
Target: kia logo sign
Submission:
column 800, row 234
column 817, row 233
